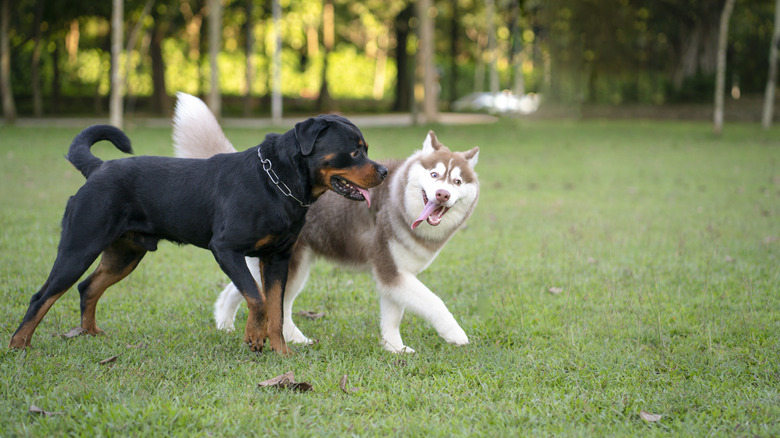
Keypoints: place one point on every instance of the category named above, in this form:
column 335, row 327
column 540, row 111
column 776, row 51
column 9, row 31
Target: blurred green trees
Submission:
column 603, row 51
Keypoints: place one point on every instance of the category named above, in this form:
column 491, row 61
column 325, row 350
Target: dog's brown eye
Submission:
column 457, row 182
column 434, row 175
column 355, row 153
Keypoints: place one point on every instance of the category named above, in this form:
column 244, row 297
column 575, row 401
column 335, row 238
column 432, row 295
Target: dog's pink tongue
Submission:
column 429, row 207
column 365, row 194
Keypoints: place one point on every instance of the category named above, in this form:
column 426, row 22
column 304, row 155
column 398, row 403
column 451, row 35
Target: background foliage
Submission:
column 600, row 51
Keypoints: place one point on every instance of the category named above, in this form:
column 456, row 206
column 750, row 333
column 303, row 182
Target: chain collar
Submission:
column 275, row 179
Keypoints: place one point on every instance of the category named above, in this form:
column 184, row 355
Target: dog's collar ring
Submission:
column 277, row 182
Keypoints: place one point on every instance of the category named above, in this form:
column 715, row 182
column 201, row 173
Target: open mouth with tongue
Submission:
column 432, row 212
column 349, row 190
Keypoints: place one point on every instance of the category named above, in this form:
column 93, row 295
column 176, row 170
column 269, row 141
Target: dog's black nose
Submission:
column 382, row 170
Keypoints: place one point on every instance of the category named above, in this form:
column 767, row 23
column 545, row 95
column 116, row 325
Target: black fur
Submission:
column 226, row 204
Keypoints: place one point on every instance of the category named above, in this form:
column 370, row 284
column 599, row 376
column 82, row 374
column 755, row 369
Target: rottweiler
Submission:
column 250, row 203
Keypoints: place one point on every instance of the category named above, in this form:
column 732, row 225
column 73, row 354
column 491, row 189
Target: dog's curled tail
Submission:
column 196, row 132
column 81, row 157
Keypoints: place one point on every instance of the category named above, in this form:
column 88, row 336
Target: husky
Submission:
column 424, row 201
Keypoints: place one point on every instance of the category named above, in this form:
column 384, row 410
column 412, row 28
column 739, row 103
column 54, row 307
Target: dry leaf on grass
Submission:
column 72, row 333
column 311, row 315
column 555, row 290
column 286, row 381
column 109, row 360
column 652, row 418
column 36, row 410
column 343, row 385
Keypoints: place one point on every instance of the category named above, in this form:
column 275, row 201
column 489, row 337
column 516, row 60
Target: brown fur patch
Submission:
column 273, row 292
column 364, row 176
column 451, row 160
column 21, row 338
column 256, row 324
column 264, row 241
column 116, row 263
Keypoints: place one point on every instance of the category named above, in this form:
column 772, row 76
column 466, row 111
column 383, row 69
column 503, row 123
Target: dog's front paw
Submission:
column 455, row 336
column 397, row 349
column 255, row 336
column 295, row 336
column 278, row 345
column 255, row 344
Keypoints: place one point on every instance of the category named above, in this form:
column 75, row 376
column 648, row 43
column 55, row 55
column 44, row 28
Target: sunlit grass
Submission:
column 658, row 241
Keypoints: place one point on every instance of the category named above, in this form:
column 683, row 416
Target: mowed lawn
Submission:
column 613, row 272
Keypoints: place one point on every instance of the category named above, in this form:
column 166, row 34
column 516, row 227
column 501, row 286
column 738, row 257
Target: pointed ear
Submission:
column 472, row 156
column 431, row 143
column 306, row 133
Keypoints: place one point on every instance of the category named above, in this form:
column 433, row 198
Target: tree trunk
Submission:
column 324, row 102
column 117, row 30
column 492, row 54
column 402, row 88
column 9, row 107
column 276, row 69
column 425, row 64
column 720, row 76
column 56, row 85
column 771, row 81
column 250, row 58
column 160, row 102
column 35, row 67
column 381, row 66
column 132, row 40
column 454, row 51
column 698, row 43
column 215, row 43
column 517, row 51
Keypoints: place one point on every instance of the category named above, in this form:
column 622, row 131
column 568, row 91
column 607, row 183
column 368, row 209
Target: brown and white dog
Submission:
column 425, row 200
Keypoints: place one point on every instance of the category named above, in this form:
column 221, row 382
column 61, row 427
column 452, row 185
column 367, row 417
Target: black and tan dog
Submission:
column 251, row 203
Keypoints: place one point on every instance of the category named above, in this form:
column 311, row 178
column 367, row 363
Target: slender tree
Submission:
column 720, row 77
column 117, row 30
column 492, row 52
column 35, row 61
column 425, row 61
column 771, row 80
column 215, row 44
column 9, row 107
column 276, row 69
column 250, row 58
column 132, row 40
column 324, row 102
column 402, row 82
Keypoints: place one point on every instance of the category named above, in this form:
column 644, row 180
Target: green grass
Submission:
column 664, row 239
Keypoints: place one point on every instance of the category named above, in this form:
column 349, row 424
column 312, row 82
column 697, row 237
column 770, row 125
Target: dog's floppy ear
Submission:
column 306, row 133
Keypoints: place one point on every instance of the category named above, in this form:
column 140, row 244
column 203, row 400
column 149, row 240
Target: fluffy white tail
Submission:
column 196, row 132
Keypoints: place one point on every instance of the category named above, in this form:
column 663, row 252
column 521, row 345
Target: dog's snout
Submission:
column 442, row 196
column 382, row 171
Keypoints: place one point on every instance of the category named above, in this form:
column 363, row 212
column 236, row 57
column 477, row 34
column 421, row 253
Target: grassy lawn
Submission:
column 660, row 242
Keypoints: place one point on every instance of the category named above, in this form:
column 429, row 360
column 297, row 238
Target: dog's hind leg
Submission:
column 68, row 268
column 117, row 262
column 227, row 303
